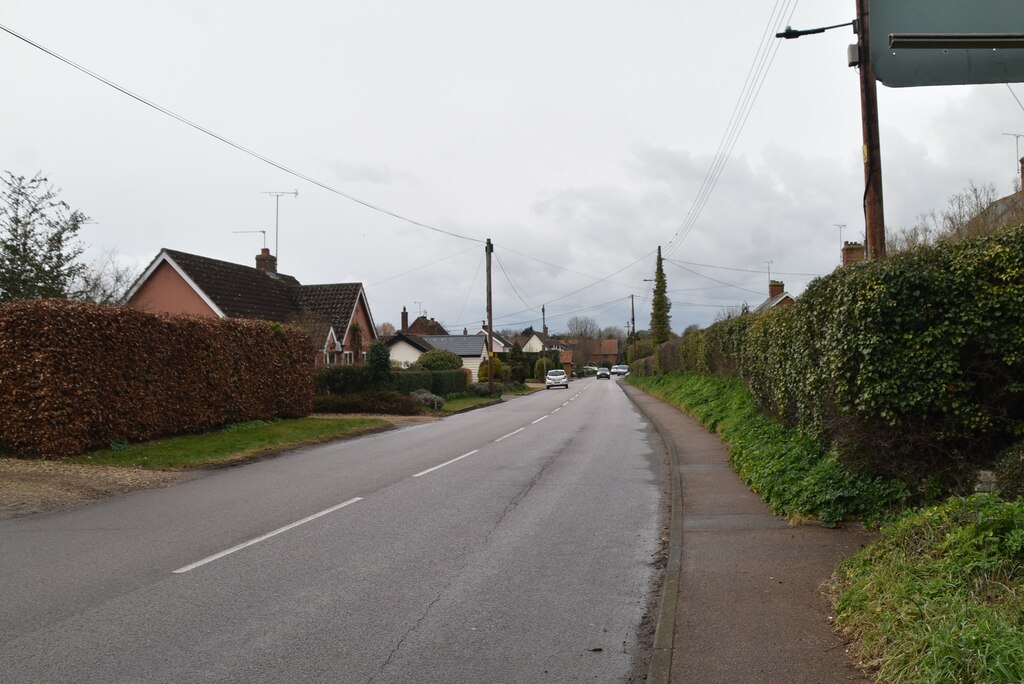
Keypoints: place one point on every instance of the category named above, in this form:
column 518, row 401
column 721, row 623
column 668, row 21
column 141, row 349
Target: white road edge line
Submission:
column 557, row 409
column 430, row 470
column 268, row 535
column 538, row 420
column 509, row 435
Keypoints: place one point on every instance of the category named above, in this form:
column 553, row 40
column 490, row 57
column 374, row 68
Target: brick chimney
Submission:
column 265, row 261
column 465, row 331
column 852, row 253
column 776, row 288
column 405, row 320
column 1022, row 173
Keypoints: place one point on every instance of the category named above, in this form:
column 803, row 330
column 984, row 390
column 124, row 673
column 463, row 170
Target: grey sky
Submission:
column 573, row 132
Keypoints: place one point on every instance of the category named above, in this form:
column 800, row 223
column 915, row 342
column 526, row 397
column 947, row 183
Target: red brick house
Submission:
column 777, row 296
column 181, row 283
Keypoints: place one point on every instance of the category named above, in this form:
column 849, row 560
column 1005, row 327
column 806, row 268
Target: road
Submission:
column 513, row 544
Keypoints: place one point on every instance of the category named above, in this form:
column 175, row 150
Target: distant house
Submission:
column 336, row 315
column 606, row 352
column 421, row 326
column 777, row 296
column 501, row 343
column 538, row 342
column 406, row 348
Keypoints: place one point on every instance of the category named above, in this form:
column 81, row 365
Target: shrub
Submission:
column 408, row 381
column 391, row 403
column 1010, row 472
column 428, row 399
column 341, row 379
column 483, row 373
column 479, row 389
column 378, row 365
column 440, row 359
column 78, row 376
column 450, row 381
column 543, row 365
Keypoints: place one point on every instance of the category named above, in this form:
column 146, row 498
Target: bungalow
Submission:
column 336, row 315
column 406, row 349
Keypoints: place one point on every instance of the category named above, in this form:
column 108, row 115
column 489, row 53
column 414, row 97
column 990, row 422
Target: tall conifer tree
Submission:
column 660, row 305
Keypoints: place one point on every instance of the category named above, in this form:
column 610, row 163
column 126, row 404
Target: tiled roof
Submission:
column 463, row 345
column 333, row 303
column 425, row 326
column 240, row 291
column 248, row 292
column 772, row 302
column 414, row 340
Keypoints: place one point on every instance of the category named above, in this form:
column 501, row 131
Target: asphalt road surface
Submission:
column 509, row 544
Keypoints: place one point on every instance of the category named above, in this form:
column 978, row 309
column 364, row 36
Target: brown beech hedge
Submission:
column 77, row 376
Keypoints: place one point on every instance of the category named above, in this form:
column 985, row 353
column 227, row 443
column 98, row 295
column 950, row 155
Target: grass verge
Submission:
column 940, row 596
column 791, row 472
column 465, row 403
column 236, row 442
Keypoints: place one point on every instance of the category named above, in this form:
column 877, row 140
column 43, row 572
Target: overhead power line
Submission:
column 237, row 146
column 715, row 280
column 741, row 270
column 756, row 75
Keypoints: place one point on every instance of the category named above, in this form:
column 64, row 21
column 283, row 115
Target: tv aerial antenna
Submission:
column 277, row 213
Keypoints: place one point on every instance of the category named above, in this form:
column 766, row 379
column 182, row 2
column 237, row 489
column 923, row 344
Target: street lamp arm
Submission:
column 791, row 33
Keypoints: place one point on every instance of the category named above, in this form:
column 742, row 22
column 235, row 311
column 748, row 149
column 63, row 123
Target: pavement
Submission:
column 743, row 597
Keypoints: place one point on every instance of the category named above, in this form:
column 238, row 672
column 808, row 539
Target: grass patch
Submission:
column 940, row 596
column 235, row 442
column 793, row 473
column 464, row 403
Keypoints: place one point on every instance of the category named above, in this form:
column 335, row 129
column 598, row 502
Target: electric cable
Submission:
column 237, row 146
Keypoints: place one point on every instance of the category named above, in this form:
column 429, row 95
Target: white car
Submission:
column 620, row 370
column 556, row 378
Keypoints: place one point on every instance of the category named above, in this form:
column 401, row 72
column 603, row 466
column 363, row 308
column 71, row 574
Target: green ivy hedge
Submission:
column 912, row 366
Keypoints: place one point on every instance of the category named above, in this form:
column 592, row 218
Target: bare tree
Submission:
column 613, row 332
column 385, row 329
column 104, row 281
column 967, row 214
column 583, row 327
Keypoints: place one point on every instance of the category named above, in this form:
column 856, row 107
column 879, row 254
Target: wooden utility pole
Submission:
column 488, row 249
column 874, row 216
column 632, row 318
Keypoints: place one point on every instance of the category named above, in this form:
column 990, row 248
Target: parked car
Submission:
column 620, row 370
column 556, row 378
column 603, row 373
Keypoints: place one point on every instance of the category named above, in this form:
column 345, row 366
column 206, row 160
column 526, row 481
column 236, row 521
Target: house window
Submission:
column 364, row 357
column 349, row 358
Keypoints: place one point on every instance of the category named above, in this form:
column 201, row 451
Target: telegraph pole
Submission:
column 488, row 248
column 874, row 216
column 632, row 318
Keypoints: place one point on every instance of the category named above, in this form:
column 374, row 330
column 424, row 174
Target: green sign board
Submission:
column 945, row 24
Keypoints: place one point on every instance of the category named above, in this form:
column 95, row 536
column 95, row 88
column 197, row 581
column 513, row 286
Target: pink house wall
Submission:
column 166, row 291
column 362, row 318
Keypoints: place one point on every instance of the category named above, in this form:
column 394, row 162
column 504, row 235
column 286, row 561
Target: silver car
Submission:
column 556, row 378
